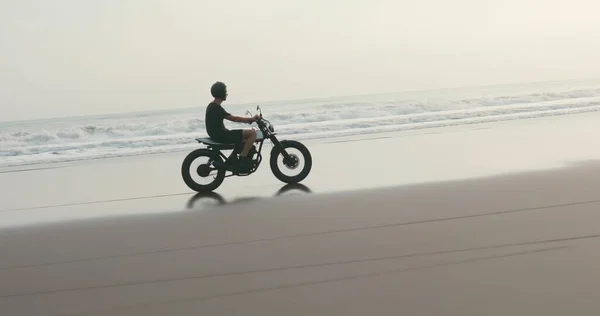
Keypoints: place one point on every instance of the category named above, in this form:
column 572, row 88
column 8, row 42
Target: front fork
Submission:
column 277, row 145
column 288, row 160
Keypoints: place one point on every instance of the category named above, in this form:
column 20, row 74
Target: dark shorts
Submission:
column 229, row 137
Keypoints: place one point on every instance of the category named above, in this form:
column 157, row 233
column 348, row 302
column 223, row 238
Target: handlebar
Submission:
column 262, row 123
column 259, row 112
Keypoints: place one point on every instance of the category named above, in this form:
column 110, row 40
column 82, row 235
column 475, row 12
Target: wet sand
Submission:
column 437, row 235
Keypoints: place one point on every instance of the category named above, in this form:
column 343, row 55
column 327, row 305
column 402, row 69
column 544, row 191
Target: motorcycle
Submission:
column 221, row 164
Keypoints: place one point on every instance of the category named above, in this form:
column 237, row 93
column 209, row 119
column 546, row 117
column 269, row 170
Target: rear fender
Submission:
column 213, row 153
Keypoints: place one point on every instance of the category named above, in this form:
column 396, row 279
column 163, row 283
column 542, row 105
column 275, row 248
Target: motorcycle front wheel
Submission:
column 298, row 153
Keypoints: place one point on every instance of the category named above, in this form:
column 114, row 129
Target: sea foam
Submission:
column 69, row 139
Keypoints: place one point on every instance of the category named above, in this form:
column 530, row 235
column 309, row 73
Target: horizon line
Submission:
column 304, row 99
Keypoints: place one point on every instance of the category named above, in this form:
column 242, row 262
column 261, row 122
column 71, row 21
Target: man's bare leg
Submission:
column 249, row 135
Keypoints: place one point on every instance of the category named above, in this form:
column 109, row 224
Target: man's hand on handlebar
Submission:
column 254, row 118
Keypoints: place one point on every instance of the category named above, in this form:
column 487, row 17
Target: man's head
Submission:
column 219, row 91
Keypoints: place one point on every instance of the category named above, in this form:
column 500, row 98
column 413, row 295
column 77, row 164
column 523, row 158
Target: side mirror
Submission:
column 259, row 110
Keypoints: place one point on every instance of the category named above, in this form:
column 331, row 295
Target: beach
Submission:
column 492, row 218
column 455, row 165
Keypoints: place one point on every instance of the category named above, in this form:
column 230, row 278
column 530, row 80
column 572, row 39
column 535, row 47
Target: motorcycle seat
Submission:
column 214, row 144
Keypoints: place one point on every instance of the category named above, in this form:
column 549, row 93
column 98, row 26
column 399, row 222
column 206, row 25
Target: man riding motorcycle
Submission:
column 215, row 114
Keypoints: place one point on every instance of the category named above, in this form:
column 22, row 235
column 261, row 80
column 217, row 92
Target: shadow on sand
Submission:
column 214, row 198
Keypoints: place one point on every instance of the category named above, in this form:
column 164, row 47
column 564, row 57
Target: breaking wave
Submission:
column 128, row 134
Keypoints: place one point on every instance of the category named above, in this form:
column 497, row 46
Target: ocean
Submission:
column 115, row 135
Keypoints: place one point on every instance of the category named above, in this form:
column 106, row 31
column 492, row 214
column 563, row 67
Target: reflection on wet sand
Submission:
column 214, row 198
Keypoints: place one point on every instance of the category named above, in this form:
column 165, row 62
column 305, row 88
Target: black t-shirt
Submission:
column 215, row 114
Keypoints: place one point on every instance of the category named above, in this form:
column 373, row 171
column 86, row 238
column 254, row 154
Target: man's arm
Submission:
column 239, row 119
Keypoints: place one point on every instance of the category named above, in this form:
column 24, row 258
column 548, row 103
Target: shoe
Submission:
column 243, row 164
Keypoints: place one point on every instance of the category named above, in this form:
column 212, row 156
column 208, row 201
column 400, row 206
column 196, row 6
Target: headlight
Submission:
column 271, row 128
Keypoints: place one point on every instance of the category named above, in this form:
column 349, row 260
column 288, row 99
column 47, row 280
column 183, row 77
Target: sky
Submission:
column 80, row 57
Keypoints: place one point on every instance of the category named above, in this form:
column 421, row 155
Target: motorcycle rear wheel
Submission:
column 187, row 175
